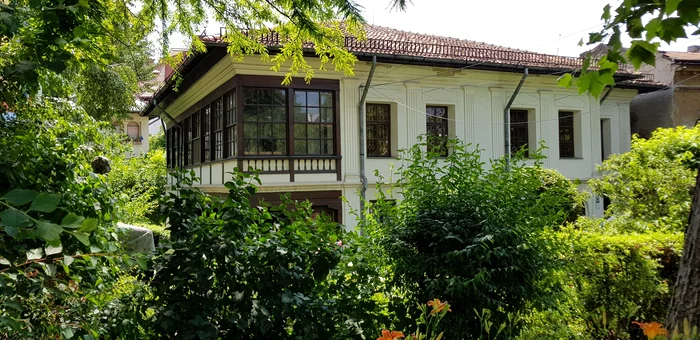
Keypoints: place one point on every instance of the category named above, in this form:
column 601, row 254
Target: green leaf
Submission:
column 13, row 218
column 67, row 332
column 671, row 6
column 82, row 237
column 79, row 31
column 72, row 221
column 19, row 197
column 606, row 13
column 5, row 261
column 642, row 52
column 13, row 304
column 10, row 322
column 67, row 260
column 35, row 254
column 48, row 231
column 566, row 80
column 88, row 225
column 45, row 202
column 672, row 29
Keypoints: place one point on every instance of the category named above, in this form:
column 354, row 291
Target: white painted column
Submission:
column 548, row 127
column 469, row 116
column 498, row 103
column 625, row 129
column 594, row 122
column 349, row 130
column 414, row 121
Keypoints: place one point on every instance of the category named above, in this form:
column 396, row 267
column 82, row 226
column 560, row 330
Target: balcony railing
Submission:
column 290, row 165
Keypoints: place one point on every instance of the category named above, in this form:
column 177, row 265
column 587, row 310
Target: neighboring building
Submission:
column 136, row 128
column 304, row 138
column 678, row 103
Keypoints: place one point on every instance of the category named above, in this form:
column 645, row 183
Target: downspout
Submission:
column 363, row 144
column 506, row 117
column 605, row 96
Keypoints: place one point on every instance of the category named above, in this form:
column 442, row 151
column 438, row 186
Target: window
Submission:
column 436, row 127
column 313, row 123
column 132, row 130
column 519, row 135
column 218, row 122
column 378, row 130
column 188, row 141
column 206, row 132
column 169, row 148
column 265, row 121
column 230, row 107
column 176, row 147
column 566, row 135
column 196, row 140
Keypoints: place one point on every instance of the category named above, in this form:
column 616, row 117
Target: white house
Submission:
column 136, row 128
column 305, row 138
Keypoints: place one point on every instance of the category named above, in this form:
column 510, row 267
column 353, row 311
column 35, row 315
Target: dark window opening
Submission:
column 313, row 123
column 519, row 132
column 436, row 127
column 378, row 134
column 206, row 133
column 230, row 107
column 566, row 135
column 218, row 122
column 265, row 121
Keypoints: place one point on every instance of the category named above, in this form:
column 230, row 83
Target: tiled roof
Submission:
column 683, row 56
column 392, row 42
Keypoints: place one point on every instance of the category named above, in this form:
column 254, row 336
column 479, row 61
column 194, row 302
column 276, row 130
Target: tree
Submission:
column 40, row 38
column 648, row 23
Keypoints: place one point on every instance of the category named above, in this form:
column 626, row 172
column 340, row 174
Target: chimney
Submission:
column 694, row 48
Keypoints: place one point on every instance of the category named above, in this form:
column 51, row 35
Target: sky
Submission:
column 545, row 26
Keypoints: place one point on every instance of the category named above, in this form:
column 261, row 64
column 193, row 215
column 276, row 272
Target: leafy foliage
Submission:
column 57, row 242
column 140, row 183
column 652, row 183
column 239, row 272
column 465, row 233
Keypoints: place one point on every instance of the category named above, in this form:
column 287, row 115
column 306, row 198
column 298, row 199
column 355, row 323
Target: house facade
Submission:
column 135, row 126
column 304, row 138
column 677, row 103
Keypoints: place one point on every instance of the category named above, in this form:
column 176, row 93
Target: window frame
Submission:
column 446, row 123
column 526, row 123
column 233, row 149
column 320, row 123
column 378, row 123
column 568, row 116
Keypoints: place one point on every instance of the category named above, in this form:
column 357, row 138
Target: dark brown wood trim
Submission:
column 336, row 132
column 297, row 83
column 290, row 131
column 239, row 126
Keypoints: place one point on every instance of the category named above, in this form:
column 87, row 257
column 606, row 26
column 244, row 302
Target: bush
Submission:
column 237, row 272
column 625, row 276
column 474, row 236
column 58, row 247
column 140, row 182
column 653, row 182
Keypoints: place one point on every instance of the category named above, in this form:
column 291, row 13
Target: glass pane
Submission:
column 313, row 131
column 327, row 115
column 250, row 114
column 265, row 114
column 279, row 114
column 327, row 147
column 313, row 114
column 279, row 130
column 280, row 97
column 250, row 96
column 266, row 130
column 300, row 98
column 300, row 147
column 250, row 146
column 312, row 99
column 265, row 97
column 326, row 131
column 371, row 131
column 299, row 130
column 326, row 99
column 314, row 147
column 281, row 147
column 268, row 146
column 250, row 130
column 300, row 114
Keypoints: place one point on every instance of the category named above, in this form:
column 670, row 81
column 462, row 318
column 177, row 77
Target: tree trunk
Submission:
column 686, row 295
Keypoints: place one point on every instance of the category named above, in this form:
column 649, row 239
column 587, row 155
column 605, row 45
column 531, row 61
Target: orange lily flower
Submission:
column 393, row 335
column 438, row 306
column 652, row 329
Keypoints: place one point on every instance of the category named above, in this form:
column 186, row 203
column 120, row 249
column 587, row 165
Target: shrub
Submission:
column 626, row 277
column 140, row 182
column 653, row 182
column 237, row 272
column 477, row 236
